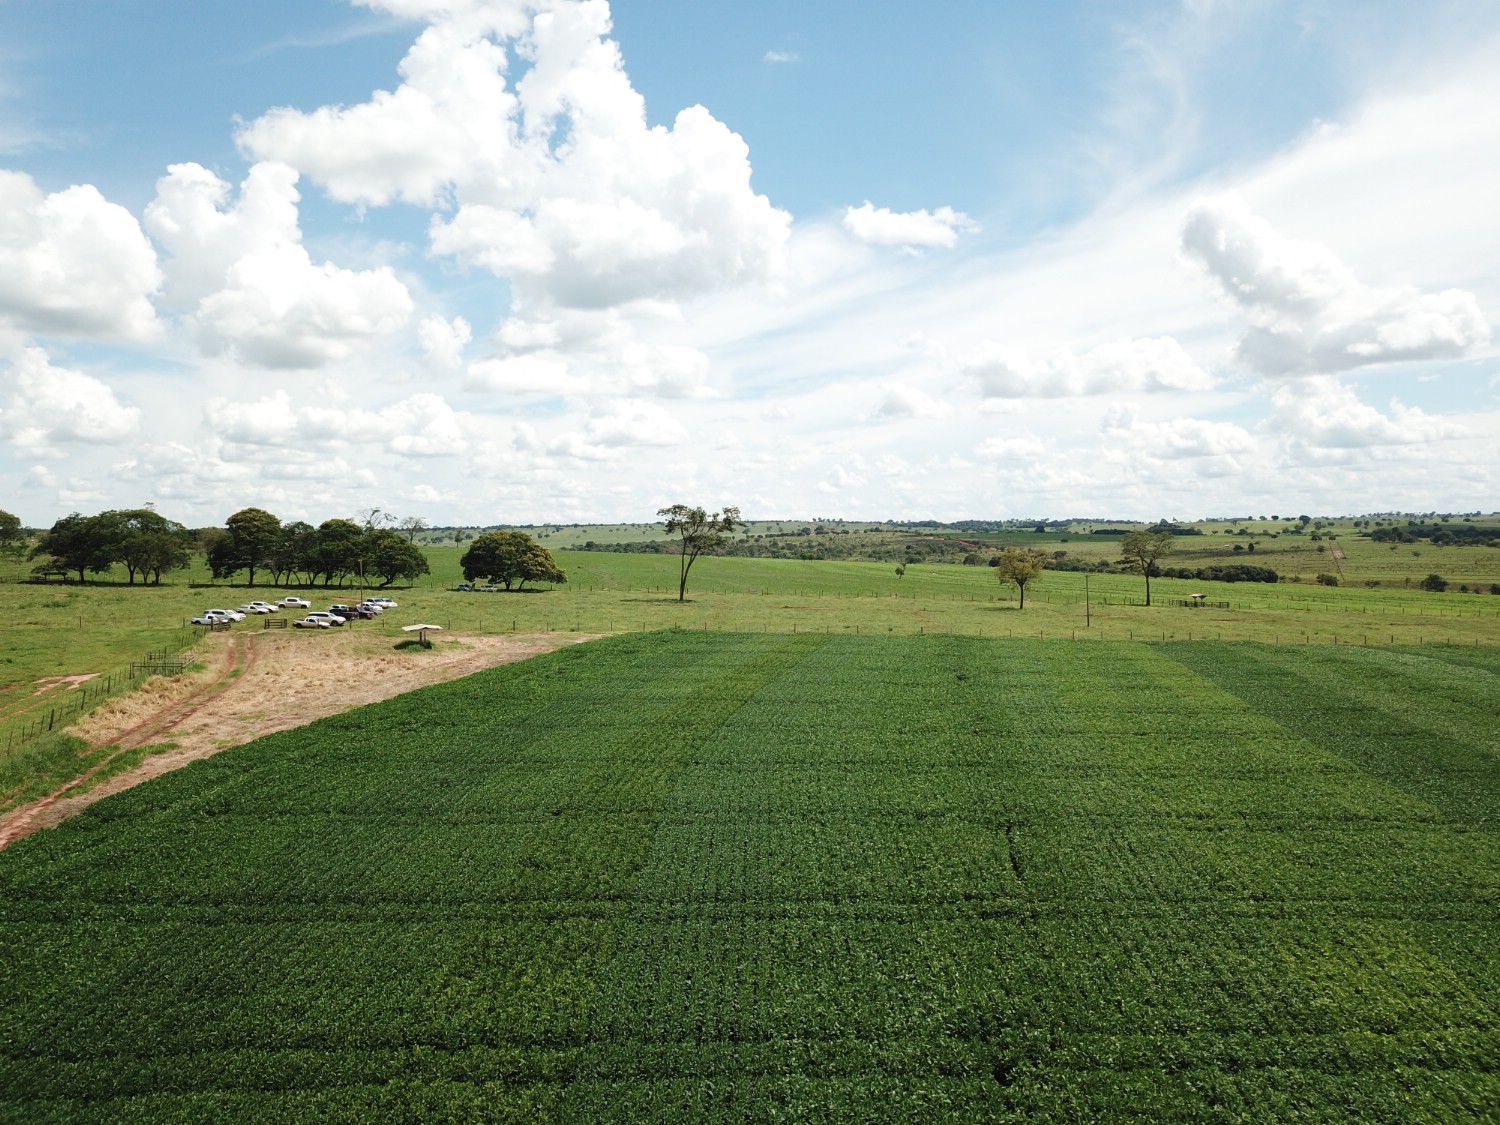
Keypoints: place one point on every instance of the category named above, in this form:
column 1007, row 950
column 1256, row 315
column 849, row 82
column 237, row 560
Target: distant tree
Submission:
column 1435, row 583
column 292, row 551
column 1328, row 580
column 77, row 543
column 12, row 537
column 1140, row 550
column 252, row 534
column 391, row 557
column 411, row 525
column 509, row 558
column 335, row 551
column 1020, row 567
column 900, row 570
column 148, row 543
column 699, row 532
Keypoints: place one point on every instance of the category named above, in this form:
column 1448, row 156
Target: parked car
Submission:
column 488, row 589
column 258, row 607
column 349, row 612
column 387, row 603
column 327, row 618
column 213, row 617
column 373, row 607
column 466, row 587
column 231, row 614
column 311, row 622
column 291, row 601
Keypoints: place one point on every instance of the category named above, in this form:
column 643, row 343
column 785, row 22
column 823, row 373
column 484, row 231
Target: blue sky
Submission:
column 524, row 260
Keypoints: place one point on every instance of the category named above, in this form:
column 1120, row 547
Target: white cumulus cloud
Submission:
column 1323, row 413
column 555, row 182
column 72, row 262
column 1176, row 437
column 47, row 405
column 625, row 424
column 1306, row 311
column 251, row 286
column 443, row 340
column 1158, row 364
column 423, row 425
column 897, row 400
column 882, row 227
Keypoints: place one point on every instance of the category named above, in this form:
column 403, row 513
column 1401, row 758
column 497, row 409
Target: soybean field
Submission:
column 692, row 876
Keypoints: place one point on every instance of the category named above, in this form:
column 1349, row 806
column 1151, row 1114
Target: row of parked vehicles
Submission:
column 335, row 616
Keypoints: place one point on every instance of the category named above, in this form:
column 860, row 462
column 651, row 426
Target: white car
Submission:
column 257, row 607
column 311, row 622
column 291, row 601
column 387, row 603
column 332, row 619
column 229, row 614
column 373, row 607
column 213, row 617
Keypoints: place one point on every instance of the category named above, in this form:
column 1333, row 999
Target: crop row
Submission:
column 729, row 877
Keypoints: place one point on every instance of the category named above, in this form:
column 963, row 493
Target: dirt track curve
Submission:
column 257, row 684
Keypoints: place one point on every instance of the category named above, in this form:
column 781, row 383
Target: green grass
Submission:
column 728, row 877
column 67, row 630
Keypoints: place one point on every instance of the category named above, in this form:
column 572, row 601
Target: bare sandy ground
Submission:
column 254, row 684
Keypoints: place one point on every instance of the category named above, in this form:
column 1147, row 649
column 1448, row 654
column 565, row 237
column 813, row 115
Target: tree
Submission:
column 391, row 557
column 411, row 525
column 700, row 532
column 1436, row 583
column 335, row 550
column 12, row 537
column 253, row 534
column 291, row 555
column 509, row 557
column 1020, row 567
column 11, row 534
column 1141, row 549
column 78, row 543
column 149, row 544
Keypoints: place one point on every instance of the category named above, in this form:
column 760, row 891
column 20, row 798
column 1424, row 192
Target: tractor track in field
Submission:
column 262, row 684
column 239, row 657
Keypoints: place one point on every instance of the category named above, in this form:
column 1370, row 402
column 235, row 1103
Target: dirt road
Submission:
column 253, row 684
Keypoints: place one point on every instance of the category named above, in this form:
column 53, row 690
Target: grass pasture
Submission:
column 754, row 876
column 57, row 630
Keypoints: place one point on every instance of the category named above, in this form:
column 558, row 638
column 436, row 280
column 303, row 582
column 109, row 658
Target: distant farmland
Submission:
column 707, row 876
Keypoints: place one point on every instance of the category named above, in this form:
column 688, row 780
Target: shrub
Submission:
column 1328, row 580
column 1435, row 582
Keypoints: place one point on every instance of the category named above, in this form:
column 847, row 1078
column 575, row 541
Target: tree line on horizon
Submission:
column 252, row 540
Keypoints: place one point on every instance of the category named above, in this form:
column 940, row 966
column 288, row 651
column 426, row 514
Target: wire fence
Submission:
column 40, row 716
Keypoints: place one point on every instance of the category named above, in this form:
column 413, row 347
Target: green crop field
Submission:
column 99, row 629
column 716, row 876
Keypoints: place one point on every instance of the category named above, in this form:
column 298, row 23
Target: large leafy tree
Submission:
column 511, row 558
column 291, row 554
column 390, row 556
column 148, row 543
column 699, row 532
column 77, row 543
column 1140, row 551
column 12, row 537
column 10, row 530
column 252, row 535
column 337, row 550
column 1020, row 568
